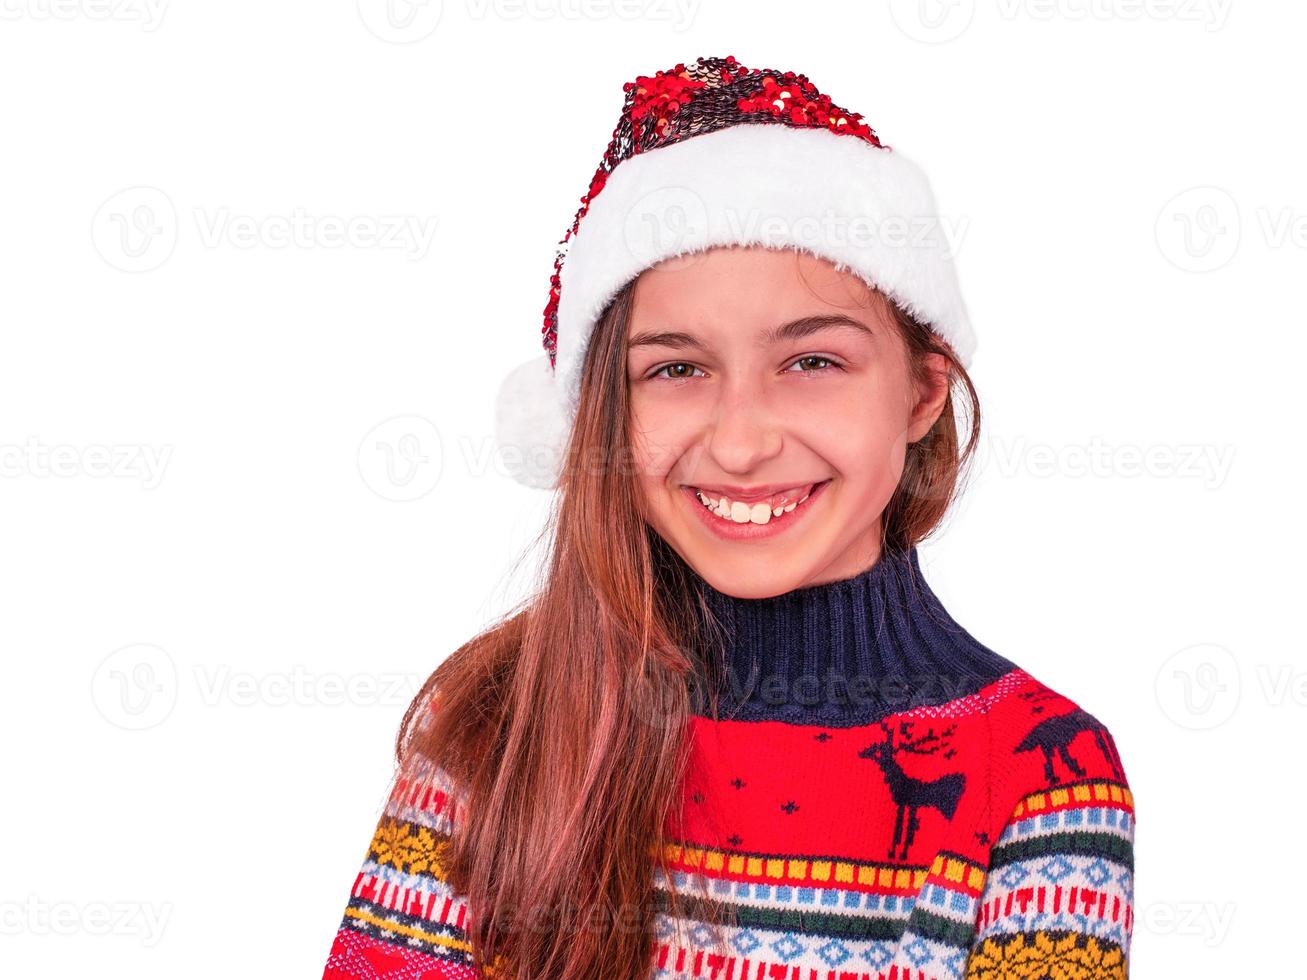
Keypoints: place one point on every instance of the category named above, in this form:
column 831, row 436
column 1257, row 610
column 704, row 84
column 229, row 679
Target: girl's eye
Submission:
column 809, row 358
column 681, row 370
column 674, row 376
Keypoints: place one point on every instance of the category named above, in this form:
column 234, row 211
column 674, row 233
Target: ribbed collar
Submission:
column 846, row 652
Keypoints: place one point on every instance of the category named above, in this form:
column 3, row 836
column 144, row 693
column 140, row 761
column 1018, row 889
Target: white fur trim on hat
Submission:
column 531, row 425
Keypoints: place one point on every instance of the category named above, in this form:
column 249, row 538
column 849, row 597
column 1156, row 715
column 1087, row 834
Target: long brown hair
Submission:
column 563, row 723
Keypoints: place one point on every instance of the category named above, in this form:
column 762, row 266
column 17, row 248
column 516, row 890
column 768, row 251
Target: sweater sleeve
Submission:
column 403, row 921
column 1058, row 896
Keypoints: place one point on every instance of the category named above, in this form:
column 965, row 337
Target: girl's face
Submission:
column 765, row 376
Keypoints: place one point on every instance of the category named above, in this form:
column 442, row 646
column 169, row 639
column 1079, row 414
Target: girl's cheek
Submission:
column 657, row 448
column 664, row 415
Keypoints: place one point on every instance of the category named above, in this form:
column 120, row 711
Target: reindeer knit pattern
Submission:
column 880, row 797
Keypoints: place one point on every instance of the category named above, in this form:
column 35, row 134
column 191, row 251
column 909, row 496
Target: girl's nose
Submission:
column 742, row 433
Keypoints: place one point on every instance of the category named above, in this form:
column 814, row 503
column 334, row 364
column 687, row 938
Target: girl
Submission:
column 735, row 734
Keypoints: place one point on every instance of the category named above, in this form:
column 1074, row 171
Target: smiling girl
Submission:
column 734, row 733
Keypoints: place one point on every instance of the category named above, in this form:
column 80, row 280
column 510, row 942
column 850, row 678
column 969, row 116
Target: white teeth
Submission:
column 743, row 513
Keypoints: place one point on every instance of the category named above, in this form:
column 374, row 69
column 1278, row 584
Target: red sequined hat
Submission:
column 708, row 154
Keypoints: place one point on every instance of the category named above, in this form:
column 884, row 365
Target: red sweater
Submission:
column 881, row 798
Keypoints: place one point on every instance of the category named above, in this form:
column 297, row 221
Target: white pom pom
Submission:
column 530, row 425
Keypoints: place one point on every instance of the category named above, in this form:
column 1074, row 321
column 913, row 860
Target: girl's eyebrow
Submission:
column 794, row 330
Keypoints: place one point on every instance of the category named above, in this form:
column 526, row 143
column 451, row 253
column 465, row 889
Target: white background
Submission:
column 216, row 600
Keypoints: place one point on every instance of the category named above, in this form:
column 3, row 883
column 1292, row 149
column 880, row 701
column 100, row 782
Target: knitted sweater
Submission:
column 882, row 798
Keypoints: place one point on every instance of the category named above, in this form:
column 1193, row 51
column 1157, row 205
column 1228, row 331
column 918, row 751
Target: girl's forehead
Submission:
column 735, row 288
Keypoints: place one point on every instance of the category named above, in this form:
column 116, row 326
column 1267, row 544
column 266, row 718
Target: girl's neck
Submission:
column 844, row 652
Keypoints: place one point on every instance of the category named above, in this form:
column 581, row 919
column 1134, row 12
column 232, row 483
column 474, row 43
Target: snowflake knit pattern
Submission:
column 881, row 797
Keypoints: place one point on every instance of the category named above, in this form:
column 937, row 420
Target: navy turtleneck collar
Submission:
column 845, row 652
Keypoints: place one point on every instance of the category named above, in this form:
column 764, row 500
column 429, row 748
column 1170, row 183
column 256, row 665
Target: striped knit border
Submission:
column 772, row 869
column 802, row 916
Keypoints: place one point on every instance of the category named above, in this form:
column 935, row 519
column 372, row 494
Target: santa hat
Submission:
column 709, row 154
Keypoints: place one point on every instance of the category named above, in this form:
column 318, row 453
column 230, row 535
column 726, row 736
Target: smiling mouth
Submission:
column 776, row 507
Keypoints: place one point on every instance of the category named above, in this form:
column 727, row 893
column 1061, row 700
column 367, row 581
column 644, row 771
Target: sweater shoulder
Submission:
column 1046, row 742
column 425, row 792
